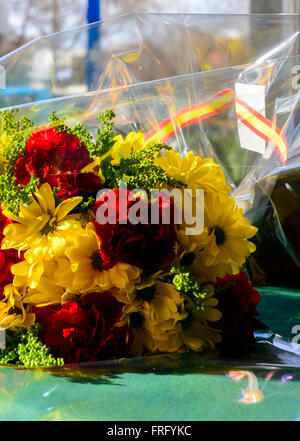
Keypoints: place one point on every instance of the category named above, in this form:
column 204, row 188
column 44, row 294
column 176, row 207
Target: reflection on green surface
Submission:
column 153, row 397
column 263, row 384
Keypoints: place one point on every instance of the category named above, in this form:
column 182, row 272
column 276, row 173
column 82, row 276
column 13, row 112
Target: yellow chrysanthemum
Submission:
column 188, row 243
column 206, row 307
column 38, row 282
column 151, row 311
column 196, row 334
column 46, row 293
column 13, row 312
column 192, row 333
column 157, row 300
column 147, row 335
column 189, row 252
column 42, row 227
column 29, row 274
column 223, row 246
column 122, row 148
column 228, row 231
column 86, row 272
column 142, row 342
column 160, row 318
column 206, row 274
column 194, row 171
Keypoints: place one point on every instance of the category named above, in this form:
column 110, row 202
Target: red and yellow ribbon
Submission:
column 263, row 127
column 192, row 114
column 214, row 105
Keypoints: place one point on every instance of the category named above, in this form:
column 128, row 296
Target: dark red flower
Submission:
column 237, row 302
column 149, row 246
column 7, row 257
column 4, row 221
column 82, row 331
column 57, row 157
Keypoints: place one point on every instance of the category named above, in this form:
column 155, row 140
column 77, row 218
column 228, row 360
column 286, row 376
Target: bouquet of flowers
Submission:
column 116, row 246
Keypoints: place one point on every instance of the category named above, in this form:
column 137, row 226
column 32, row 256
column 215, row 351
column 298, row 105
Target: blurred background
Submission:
column 24, row 20
column 82, row 71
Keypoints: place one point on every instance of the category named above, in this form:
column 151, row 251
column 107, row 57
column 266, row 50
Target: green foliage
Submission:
column 77, row 130
column 85, row 208
column 139, row 171
column 185, row 282
column 11, row 126
column 18, row 132
column 56, row 121
column 12, row 195
column 24, row 348
column 105, row 135
column 83, row 134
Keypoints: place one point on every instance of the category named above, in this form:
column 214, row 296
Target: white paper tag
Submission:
column 254, row 96
column 2, row 77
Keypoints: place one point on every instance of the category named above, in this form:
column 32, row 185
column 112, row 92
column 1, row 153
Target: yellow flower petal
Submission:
column 65, row 207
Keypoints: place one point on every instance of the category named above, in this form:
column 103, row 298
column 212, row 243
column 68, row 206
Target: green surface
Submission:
column 278, row 310
column 162, row 388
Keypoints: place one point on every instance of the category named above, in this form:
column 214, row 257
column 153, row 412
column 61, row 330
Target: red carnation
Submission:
column 237, row 302
column 84, row 331
column 57, row 157
column 149, row 246
column 7, row 257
